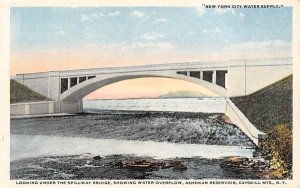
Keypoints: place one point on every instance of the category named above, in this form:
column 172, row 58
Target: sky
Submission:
column 48, row 39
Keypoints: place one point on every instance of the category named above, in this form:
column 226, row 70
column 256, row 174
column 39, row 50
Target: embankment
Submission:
column 20, row 93
column 269, row 106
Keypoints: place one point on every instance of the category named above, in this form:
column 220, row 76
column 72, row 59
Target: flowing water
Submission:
column 197, row 140
column 204, row 104
column 25, row 146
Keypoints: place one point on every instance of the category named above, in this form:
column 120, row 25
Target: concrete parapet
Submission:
column 43, row 107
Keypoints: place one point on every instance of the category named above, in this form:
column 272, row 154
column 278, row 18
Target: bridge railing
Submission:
column 207, row 65
column 153, row 67
column 213, row 65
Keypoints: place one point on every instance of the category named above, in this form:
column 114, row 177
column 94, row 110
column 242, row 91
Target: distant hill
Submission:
column 269, row 106
column 181, row 94
column 21, row 93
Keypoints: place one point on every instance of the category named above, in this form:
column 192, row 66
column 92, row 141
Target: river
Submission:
column 25, row 146
column 204, row 104
column 64, row 147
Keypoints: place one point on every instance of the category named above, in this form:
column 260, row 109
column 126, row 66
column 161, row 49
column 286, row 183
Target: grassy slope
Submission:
column 269, row 106
column 21, row 93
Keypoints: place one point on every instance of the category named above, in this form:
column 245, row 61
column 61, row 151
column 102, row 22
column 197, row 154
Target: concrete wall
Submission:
column 248, row 76
column 270, row 74
column 45, row 83
column 44, row 107
column 240, row 120
column 236, row 79
column 69, row 107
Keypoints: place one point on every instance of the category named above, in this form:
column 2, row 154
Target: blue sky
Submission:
column 184, row 28
column 72, row 38
column 47, row 39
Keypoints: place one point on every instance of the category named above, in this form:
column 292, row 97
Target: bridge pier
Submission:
column 214, row 77
column 69, row 83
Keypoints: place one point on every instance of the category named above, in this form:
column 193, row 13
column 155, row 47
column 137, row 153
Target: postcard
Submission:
column 150, row 94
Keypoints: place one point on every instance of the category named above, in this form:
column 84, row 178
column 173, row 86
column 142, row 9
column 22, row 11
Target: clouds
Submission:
column 273, row 45
column 241, row 16
column 230, row 11
column 200, row 11
column 148, row 42
column 138, row 14
column 91, row 17
column 60, row 32
column 251, row 49
column 146, row 28
column 84, row 18
column 97, row 15
column 135, row 13
column 114, row 14
column 217, row 11
column 132, row 47
column 152, row 36
column 215, row 30
column 221, row 11
column 160, row 20
column 152, row 45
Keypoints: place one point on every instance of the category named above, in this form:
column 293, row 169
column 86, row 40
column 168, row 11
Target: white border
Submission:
column 5, row 59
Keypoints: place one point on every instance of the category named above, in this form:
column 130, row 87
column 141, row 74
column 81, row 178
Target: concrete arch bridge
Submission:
column 226, row 78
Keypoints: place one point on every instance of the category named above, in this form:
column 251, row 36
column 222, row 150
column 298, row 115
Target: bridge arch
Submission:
column 79, row 91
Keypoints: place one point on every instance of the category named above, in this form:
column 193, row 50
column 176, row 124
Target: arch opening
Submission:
column 150, row 88
column 81, row 90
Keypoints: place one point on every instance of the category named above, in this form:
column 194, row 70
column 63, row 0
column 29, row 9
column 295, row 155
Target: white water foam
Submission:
column 25, row 146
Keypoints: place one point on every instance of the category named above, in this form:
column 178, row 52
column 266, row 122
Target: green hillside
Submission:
column 269, row 106
column 21, row 93
column 181, row 94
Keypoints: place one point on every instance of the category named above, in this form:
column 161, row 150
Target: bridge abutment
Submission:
column 45, row 107
column 240, row 120
column 45, row 83
column 250, row 75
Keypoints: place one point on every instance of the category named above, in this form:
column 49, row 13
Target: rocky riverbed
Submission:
column 160, row 130
column 87, row 166
column 175, row 127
